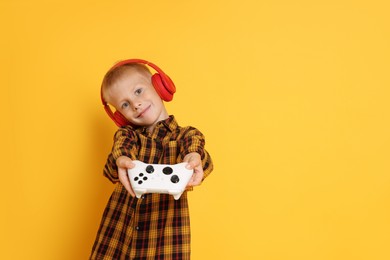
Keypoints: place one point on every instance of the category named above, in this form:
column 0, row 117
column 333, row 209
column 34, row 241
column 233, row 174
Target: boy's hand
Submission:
column 194, row 162
column 124, row 163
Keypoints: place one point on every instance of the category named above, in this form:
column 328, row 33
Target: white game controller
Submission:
column 159, row 178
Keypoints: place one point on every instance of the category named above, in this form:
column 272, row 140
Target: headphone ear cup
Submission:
column 120, row 120
column 164, row 86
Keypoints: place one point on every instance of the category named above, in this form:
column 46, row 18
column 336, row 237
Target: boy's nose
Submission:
column 136, row 106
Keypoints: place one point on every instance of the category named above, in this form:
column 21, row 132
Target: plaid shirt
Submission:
column 155, row 226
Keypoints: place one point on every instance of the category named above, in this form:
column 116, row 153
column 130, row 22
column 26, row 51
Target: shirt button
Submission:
column 143, row 196
column 137, row 228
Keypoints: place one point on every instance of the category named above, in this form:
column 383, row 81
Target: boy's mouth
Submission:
column 143, row 112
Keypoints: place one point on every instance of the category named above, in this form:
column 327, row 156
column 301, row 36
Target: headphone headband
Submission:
column 163, row 85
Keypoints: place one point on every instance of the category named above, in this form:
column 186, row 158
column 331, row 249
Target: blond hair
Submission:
column 116, row 73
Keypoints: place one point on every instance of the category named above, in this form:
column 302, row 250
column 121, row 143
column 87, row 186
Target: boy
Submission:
column 155, row 226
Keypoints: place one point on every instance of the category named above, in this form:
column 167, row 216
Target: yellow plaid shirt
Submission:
column 155, row 226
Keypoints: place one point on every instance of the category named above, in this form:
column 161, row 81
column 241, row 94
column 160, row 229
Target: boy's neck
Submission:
column 151, row 128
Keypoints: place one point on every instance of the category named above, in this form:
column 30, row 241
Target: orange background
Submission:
column 293, row 97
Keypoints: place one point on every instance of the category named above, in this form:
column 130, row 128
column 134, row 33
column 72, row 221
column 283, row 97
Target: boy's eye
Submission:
column 125, row 105
column 138, row 91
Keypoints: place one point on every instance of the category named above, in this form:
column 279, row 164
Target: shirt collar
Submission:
column 170, row 124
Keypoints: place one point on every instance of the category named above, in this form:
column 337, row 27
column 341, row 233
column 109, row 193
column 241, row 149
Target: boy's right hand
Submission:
column 124, row 163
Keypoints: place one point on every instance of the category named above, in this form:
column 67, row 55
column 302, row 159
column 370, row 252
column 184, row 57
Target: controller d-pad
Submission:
column 167, row 170
column 140, row 178
column 149, row 169
column 175, row 179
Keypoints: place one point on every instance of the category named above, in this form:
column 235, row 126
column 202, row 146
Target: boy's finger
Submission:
column 195, row 180
column 130, row 190
column 125, row 163
column 191, row 164
column 125, row 182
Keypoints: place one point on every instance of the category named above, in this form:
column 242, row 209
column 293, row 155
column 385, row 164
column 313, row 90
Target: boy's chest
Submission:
column 163, row 151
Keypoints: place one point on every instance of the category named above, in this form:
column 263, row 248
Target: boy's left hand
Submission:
column 194, row 162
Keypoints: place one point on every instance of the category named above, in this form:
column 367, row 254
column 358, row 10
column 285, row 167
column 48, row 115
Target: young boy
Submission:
column 155, row 226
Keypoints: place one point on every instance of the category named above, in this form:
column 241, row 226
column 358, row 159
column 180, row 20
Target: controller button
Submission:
column 136, row 178
column 140, row 182
column 149, row 169
column 167, row 170
column 145, row 178
column 175, row 179
column 141, row 174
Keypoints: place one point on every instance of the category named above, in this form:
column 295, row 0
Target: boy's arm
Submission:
column 192, row 142
column 124, row 145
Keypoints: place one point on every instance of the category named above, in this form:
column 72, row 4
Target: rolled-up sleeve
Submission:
column 194, row 141
column 125, row 144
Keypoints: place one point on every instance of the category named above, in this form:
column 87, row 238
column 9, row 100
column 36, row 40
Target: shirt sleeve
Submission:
column 125, row 144
column 194, row 141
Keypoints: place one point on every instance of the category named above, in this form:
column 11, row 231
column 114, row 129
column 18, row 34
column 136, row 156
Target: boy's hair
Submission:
column 116, row 73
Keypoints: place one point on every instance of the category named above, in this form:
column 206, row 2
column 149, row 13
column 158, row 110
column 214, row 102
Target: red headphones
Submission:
column 163, row 85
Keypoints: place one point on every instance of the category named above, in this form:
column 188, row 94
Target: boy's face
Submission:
column 134, row 96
